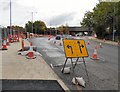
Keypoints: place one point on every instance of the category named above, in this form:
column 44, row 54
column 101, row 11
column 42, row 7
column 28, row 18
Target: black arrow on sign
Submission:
column 80, row 46
column 70, row 47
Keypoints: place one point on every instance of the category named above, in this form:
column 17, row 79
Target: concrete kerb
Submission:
column 28, row 69
column 104, row 41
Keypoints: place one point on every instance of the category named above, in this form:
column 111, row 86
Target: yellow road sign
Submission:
column 75, row 48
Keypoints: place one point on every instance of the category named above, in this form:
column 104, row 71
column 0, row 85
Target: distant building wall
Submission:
column 76, row 30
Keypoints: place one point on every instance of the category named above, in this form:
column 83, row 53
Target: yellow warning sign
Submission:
column 75, row 48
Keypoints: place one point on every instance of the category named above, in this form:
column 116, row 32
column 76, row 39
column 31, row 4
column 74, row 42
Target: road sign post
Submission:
column 75, row 48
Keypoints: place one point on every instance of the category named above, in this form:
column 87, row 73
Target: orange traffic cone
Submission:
column 4, row 46
column 118, row 43
column 88, row 42
column 8, row 42
column 30, row 43
column 30, row 54
column 49, row 38
column 9, row 38
column 22, row 45
column 101, row 45
column 94, row 56
column 18, row 38
column 60, row 44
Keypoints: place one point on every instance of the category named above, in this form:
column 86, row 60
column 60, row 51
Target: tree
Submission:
column 28, row 27
column 105, row 15
column 88, row 20
column 38, row 27
column 63, row 29
column 17, row 28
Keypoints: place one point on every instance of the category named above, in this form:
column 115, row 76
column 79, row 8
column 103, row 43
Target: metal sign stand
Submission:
column 74, row 65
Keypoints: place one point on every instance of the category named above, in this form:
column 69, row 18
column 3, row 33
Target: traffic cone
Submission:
column 60, row 44
column 14, row 38
column 88, row 42
column 54, row 42
column 94, row 56
column 104, row 40
column 18, row 38
column 9, row 38
column 118, row 43
column 22, row 45
column 4, row 46
column 49, row 38
column 30, row 54
column 30, row 43
column 101, row 45
column 8, row 42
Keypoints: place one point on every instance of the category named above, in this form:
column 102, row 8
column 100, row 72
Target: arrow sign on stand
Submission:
column 80, row 46
column 70, row 47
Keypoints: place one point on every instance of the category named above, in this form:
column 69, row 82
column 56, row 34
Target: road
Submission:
column 103, row 73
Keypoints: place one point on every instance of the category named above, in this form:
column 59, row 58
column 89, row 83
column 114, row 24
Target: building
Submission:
column 51, row 31
column 79, row 30
column 71, row 31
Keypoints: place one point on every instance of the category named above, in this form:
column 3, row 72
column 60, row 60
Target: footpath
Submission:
column 14, row 66
column 104, row 41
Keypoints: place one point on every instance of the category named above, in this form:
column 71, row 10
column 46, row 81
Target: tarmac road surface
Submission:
column 103, row 73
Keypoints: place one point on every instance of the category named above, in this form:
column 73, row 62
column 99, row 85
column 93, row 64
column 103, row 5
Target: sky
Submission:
column 52, row 12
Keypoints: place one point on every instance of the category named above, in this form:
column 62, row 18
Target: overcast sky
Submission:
column 52, row 12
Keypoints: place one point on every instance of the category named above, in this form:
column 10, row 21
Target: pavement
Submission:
column 14, row 66
column 104, row 41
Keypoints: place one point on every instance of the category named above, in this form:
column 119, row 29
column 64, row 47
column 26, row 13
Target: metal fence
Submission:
column 0, row 37
column 116, row 38
column 3, row 34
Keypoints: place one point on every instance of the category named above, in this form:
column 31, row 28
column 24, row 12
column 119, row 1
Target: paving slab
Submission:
column 15, row 66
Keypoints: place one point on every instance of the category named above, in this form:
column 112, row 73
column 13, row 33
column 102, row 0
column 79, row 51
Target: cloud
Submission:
column 20, row 13
column 61, row 19
column 53, row 13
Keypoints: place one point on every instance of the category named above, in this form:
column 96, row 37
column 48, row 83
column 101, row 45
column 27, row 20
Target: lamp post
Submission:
column 32, row 22
column 10, row 18
column 32, row 19
column 113, row 37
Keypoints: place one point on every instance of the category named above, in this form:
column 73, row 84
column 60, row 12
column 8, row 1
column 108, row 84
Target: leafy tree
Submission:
column 38, row 27
column 17, row 28
column 28, row 27
column 88, row 20
column 63, row 29
column 106, row 15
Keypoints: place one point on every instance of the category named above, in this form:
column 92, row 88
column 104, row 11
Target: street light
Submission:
column 113, row 38
column 32, row 19
column 10, row 19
